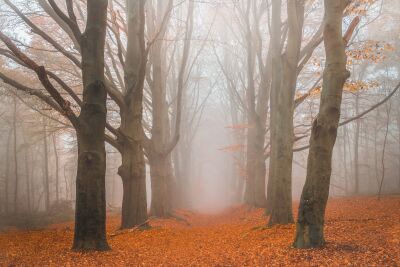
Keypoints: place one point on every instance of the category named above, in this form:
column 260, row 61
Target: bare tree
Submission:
column 310, row 223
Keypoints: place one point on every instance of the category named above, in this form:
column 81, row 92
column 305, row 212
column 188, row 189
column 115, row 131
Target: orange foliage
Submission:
column 360, row 232
column 354, row 86
column 373, row 51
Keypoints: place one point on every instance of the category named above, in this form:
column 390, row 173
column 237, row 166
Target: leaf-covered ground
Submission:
column 360, row 232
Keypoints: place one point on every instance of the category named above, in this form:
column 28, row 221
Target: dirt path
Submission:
column 359, row 231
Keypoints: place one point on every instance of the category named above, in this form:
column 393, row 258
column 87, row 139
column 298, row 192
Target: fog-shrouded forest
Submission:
column 200, row 133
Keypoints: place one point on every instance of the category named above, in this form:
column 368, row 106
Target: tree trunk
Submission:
column 133, row 168
column 345, row 159
column 250, row 190
column 133, row 172
column 384, row 149
column 398, row 167
column 7, row 172
column 310, row 223
column 15, row 133
column 160, row 199
column 46, row 183
column 27, row 178
column 90, row 213
column 282, row 136
column 57, row 167
column 356, row 148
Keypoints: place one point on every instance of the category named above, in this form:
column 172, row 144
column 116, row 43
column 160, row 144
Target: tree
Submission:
column 90, row 218
column 90, row 125
column 284, row 82
column 132, row 169
column 159, row 147
column 310, row 223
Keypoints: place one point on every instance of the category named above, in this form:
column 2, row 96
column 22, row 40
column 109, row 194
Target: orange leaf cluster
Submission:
column 374, row 51
column 354, row 86
column 360, row 232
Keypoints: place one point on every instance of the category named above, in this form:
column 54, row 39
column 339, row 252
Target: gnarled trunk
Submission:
column 310, row 223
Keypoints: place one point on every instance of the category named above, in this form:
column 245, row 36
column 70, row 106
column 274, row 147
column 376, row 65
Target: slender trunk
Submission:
column 383, row 151
column 57, row 167
column 376, row 151
column 67, row 187
column 27, row 176
column 7, row 178
column 345, row 159
column 250, row 190
column 398, row 167
column 15, row 156
column 260, row 168
column 46, row 183
column 310, row 223
column 90, row 212
column 32, row 180
column 356, row 149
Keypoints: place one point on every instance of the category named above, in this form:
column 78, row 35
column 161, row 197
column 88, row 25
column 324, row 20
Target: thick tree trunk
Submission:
column 282, row 136
column 255, row 167
column 160, row 199
column 276, row 25
column 90, row 214
column 133, row 173
column 310, row 223
column 133, row 168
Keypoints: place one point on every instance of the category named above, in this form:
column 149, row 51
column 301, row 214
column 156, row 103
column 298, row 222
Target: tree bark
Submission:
column 162, row 142
column 160, row 199
column 90, row 214
column 7, row 172
column 388, row 109
column 133, row 168
column 57, row 186
column 27, row 178
column 356, row 148
column 46, row 182
column 282, row 136
column 16, row 175
column 310, row 223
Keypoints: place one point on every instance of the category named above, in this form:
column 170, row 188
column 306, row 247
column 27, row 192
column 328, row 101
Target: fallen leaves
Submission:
column 360, row 232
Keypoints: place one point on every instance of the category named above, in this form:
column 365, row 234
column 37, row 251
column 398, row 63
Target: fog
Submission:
column 222, row 83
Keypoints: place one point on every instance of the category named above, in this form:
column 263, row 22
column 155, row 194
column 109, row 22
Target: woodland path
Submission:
column 360, row 231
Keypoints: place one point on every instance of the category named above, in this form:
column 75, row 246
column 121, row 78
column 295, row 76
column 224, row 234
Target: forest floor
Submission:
column 360, row 231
